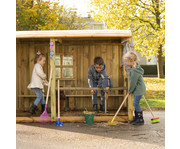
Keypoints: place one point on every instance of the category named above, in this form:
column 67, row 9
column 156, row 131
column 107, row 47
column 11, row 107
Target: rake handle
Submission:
column 148, row 106
column 58, row 101
column 120, row 107
column 49, row 86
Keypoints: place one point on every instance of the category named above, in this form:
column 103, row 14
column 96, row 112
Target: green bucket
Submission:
column 89, row 118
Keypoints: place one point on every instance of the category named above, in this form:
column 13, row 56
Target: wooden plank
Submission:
column 85, row 68
column 71, row 102
column 26, row 75
column 104, row 56
column 17, row 76
column 53, row 86
column 73, row 33
column 75, row 119
column 21, row 64
column 130, row 106
column 94, row 88
column 121, row 79
column 115, row 71
column 31, row 58
column 73, row 95
column 125, row 84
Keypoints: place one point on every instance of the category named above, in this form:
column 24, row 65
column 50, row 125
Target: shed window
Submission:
column 67, row 60
column 64, row 66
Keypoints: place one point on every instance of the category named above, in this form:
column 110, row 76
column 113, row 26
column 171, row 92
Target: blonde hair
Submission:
column 131, row 56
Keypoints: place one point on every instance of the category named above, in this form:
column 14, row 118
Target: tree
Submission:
column 146, row 20
column 45, row 15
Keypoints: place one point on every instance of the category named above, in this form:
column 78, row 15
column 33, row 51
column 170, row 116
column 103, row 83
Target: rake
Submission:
column 59, row 123
column 112, row 121
column 45, row 118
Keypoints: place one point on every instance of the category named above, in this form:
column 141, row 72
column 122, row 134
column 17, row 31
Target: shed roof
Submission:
column 73, row 33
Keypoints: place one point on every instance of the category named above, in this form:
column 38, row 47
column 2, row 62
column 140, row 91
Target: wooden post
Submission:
column 53, row 83
column 125, row 85
column 130, row 105
column 106, row 98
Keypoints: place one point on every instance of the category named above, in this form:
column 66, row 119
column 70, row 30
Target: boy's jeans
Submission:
column 94, row 97
column 136, row 103
column 39, row 96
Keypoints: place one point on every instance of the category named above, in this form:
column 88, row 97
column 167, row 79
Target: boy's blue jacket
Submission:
column 137, row 86
column 94, row 76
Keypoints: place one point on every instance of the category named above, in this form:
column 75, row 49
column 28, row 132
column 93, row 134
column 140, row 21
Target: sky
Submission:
column 82, row 6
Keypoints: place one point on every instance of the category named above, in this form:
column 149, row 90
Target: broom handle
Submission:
column 49, row 86
column 120, row 107
column 58, row 101
column 148, row 106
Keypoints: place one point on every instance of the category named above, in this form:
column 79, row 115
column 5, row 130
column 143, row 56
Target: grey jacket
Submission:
column 94, row 76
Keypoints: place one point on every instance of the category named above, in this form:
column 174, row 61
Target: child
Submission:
column 94, row 74
column 38, row 81
column 137, row 85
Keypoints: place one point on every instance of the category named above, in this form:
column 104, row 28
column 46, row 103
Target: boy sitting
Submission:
column 94, row 74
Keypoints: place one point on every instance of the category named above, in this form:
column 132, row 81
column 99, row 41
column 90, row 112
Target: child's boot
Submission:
column 101, row 108
column 95, row 108
column 139, row 120
column 43, row 108
column 134, row 119
column 32, row 109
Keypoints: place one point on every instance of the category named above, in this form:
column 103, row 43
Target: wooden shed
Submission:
column 74, row 53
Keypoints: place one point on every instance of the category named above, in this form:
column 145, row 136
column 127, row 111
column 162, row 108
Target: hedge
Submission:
column 151, row 69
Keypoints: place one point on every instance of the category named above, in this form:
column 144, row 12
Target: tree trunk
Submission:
column 159, row 57
column 160, row 63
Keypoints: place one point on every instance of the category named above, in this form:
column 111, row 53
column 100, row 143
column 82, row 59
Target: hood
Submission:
column 138, row 69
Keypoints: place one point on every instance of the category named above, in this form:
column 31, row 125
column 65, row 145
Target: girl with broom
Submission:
column 137, row 86
column 38, row 80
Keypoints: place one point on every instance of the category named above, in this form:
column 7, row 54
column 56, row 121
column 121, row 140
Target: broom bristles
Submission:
column 155, row 121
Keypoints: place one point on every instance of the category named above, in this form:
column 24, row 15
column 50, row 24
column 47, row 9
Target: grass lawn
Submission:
column 155, row 93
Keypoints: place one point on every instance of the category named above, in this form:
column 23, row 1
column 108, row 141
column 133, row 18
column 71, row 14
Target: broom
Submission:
column 45, row 118
column 112, row 121
column 154, row 119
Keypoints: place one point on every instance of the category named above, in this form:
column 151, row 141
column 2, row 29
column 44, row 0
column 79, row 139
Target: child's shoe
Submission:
column 95, row 108
column 102, row 109
column 32, row 109
column 139, row 120
column 134, row 119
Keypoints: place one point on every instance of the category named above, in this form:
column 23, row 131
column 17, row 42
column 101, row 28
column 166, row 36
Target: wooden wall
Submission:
column 84, row 53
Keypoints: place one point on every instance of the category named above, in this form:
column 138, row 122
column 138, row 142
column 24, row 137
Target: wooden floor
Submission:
column 74, row 116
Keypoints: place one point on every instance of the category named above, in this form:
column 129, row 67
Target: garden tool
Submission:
column 112, row 121
column 45, row 118
column 154, row 119
column 59, row 123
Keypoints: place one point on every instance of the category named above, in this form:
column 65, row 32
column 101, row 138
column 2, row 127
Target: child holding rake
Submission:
column 38, row 80
column 137, row 85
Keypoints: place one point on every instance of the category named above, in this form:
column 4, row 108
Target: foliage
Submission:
column 146, row 19
column 155, row 93
column 45, row 15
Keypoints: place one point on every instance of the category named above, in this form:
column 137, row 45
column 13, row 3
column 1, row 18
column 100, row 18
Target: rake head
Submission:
column 112, row 123
column 59, row 123
column 44, row 118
